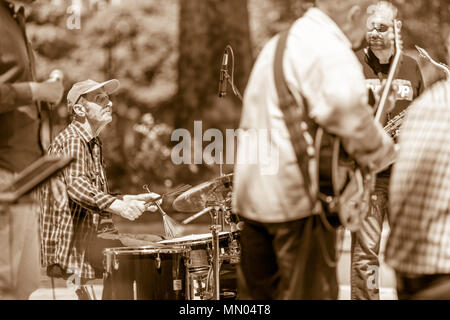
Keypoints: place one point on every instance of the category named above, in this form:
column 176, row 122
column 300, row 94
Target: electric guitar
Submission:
column 443, row 66
column 344, row 187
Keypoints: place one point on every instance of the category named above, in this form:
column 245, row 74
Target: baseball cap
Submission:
column 83, row 87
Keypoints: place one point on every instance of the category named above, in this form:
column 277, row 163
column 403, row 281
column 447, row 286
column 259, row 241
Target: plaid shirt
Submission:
column 68, row 224
column 419, row 241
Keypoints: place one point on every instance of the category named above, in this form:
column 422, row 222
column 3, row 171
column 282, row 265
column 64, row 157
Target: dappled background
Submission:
column 167, row 55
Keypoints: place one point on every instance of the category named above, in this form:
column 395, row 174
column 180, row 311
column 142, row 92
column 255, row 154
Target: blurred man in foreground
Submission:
column 419, row 240
column 286, row 249
column 20, row 145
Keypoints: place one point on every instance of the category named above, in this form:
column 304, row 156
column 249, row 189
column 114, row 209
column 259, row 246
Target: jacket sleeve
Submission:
column 14, row 95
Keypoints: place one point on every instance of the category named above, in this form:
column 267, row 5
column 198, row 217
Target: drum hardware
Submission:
column 116, row 261
column 197, row 215
column 198, row 284
column 158, row 261
column 215, row 229
column 199, row 260
column 213, row 197
column 135, row 290
column 215, row 192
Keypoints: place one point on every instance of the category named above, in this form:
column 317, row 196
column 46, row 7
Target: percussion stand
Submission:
column 215, row 229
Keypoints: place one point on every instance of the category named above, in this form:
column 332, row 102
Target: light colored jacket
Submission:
column 320, row 63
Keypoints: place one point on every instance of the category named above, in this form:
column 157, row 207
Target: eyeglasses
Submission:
column 379, row 27
column 102, row 99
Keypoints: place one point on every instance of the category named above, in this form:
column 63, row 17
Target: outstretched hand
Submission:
column 147, row 198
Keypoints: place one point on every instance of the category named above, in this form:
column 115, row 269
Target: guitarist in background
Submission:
column 285, row 245
column 20, row 145
column 376, row 61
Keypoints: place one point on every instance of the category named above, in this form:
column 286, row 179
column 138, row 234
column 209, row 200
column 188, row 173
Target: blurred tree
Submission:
column 268, row 17
column 206, row 27
column 424, row 24
column 135, row 43
column 167, row 55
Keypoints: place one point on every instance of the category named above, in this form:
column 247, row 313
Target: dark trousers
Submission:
column 424, row 287
column 94, row 255
column 289, row 261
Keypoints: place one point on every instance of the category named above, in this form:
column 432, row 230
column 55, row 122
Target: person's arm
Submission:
column 19, row 94
column 82, row 191
column 14, row 66
column 13, row 95
column 24, row 93
column 343, row 110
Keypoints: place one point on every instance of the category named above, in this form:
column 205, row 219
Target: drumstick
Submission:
column 195, row 216
column 179, row 189
column 171, row 227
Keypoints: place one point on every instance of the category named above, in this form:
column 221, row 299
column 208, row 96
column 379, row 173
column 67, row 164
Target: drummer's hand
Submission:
column 131, row 209
column 146, row 197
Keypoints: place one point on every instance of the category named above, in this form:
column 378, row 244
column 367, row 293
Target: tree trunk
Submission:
column 206, row 28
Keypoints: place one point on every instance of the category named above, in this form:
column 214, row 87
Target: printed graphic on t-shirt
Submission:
column 404, row 88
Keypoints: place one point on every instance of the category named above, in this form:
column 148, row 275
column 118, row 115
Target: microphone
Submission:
column 223, row 76
column 56, row 75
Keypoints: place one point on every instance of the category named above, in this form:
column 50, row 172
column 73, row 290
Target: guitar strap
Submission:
column 300, row 126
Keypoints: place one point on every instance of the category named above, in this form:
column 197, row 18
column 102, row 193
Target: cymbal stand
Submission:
column 215, row 229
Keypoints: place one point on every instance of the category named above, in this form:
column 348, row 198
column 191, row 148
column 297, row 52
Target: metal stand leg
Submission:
column 188, row 286
column 216, row 261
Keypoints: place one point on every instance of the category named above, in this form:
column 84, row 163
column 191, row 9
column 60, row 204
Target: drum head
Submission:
column 143, row 250
column 134, row 240
column 193, row 239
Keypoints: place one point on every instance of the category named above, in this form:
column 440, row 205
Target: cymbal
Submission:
column 207, row 194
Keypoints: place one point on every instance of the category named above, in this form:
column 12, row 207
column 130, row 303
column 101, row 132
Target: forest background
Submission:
column 167, row 55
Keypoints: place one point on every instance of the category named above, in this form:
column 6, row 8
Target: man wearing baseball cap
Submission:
column 76, row 219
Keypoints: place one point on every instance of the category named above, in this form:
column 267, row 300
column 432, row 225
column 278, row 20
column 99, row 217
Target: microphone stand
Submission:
column 235, row 90
column 217, row 212
column 215, row 229
column 230, row 79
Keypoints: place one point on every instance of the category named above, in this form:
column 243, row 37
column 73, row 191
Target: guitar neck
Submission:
column 392, row 72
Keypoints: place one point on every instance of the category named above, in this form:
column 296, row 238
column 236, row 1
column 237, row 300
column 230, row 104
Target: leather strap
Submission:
column 300, row 126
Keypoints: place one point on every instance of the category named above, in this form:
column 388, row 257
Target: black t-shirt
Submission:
column 409, row 81
column 409, row 78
